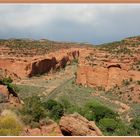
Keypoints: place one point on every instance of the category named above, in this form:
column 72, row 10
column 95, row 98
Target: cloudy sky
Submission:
column 93, row 23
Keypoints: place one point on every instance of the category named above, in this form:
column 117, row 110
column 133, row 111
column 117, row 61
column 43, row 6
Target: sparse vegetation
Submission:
column 29, row 47
column 136, row 66
column 136, row 125
column 138, row 82
column 75, row 61
column 99, row 111
column 56, row 110
column 33, row 109
column 114, row 127
column 25, row 91
column 10, row 125
column 108, row 124
column 126, row 82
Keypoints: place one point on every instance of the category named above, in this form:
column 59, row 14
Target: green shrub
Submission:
column 123, row 129
column 6, row 80
column 75, row 61
column 138, row 82
column 90, row 116
column 34, row 124
column 102, row 111
column 108, row 124
column 57, row 112
column 56, row 109
column 33, row 107
column 68, row 107
column 12, row 87
column 75, row 108
column 126, row 82
column 136, row 123
column 114, row 127
column 98, row 111
column 50, row 104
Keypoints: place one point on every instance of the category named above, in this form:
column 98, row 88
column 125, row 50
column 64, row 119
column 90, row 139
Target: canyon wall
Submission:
column 107, row 77
column 18, row 68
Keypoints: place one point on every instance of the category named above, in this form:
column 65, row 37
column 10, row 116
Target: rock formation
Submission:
column 3, row 94
column 77, row 125
column 98, row 68
column 50, row 129
column 18, row 68
column 104, row 77
column 9, row 96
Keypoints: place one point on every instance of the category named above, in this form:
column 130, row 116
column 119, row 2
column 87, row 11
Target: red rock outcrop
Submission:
column 9, row 96
column 92, row 77
column 42, row 66
column 4, row 90
column 57, row 61
column 77, row 125
column 51, row 129
column 4, row 94
column 18, row 68
column 13, row 67
column 107, row 77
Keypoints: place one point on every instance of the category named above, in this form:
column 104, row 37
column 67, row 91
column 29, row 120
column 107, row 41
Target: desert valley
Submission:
column 50, row 88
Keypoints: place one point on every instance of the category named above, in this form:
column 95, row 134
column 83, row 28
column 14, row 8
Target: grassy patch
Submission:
column 76, row 94
column 25, row 91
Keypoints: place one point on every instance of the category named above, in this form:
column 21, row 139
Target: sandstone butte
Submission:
column 77, row 125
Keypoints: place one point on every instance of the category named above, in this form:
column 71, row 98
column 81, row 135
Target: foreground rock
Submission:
column 50, row 129
column 7, row 96
column 76, row 125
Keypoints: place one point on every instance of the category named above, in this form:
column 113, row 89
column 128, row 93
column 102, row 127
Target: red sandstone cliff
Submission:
column 27, row 67
column 100, row 69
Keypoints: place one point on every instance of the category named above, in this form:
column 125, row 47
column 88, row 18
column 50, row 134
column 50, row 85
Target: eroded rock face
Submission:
column 115, row 76
column 92, row 77
column 42, row 66
column 76, row 125
column 18, row 68
column 13, row 67
column 107, row 77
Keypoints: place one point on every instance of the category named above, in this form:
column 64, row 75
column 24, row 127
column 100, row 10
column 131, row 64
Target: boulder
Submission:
column 77, row 125
column 50, row 129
